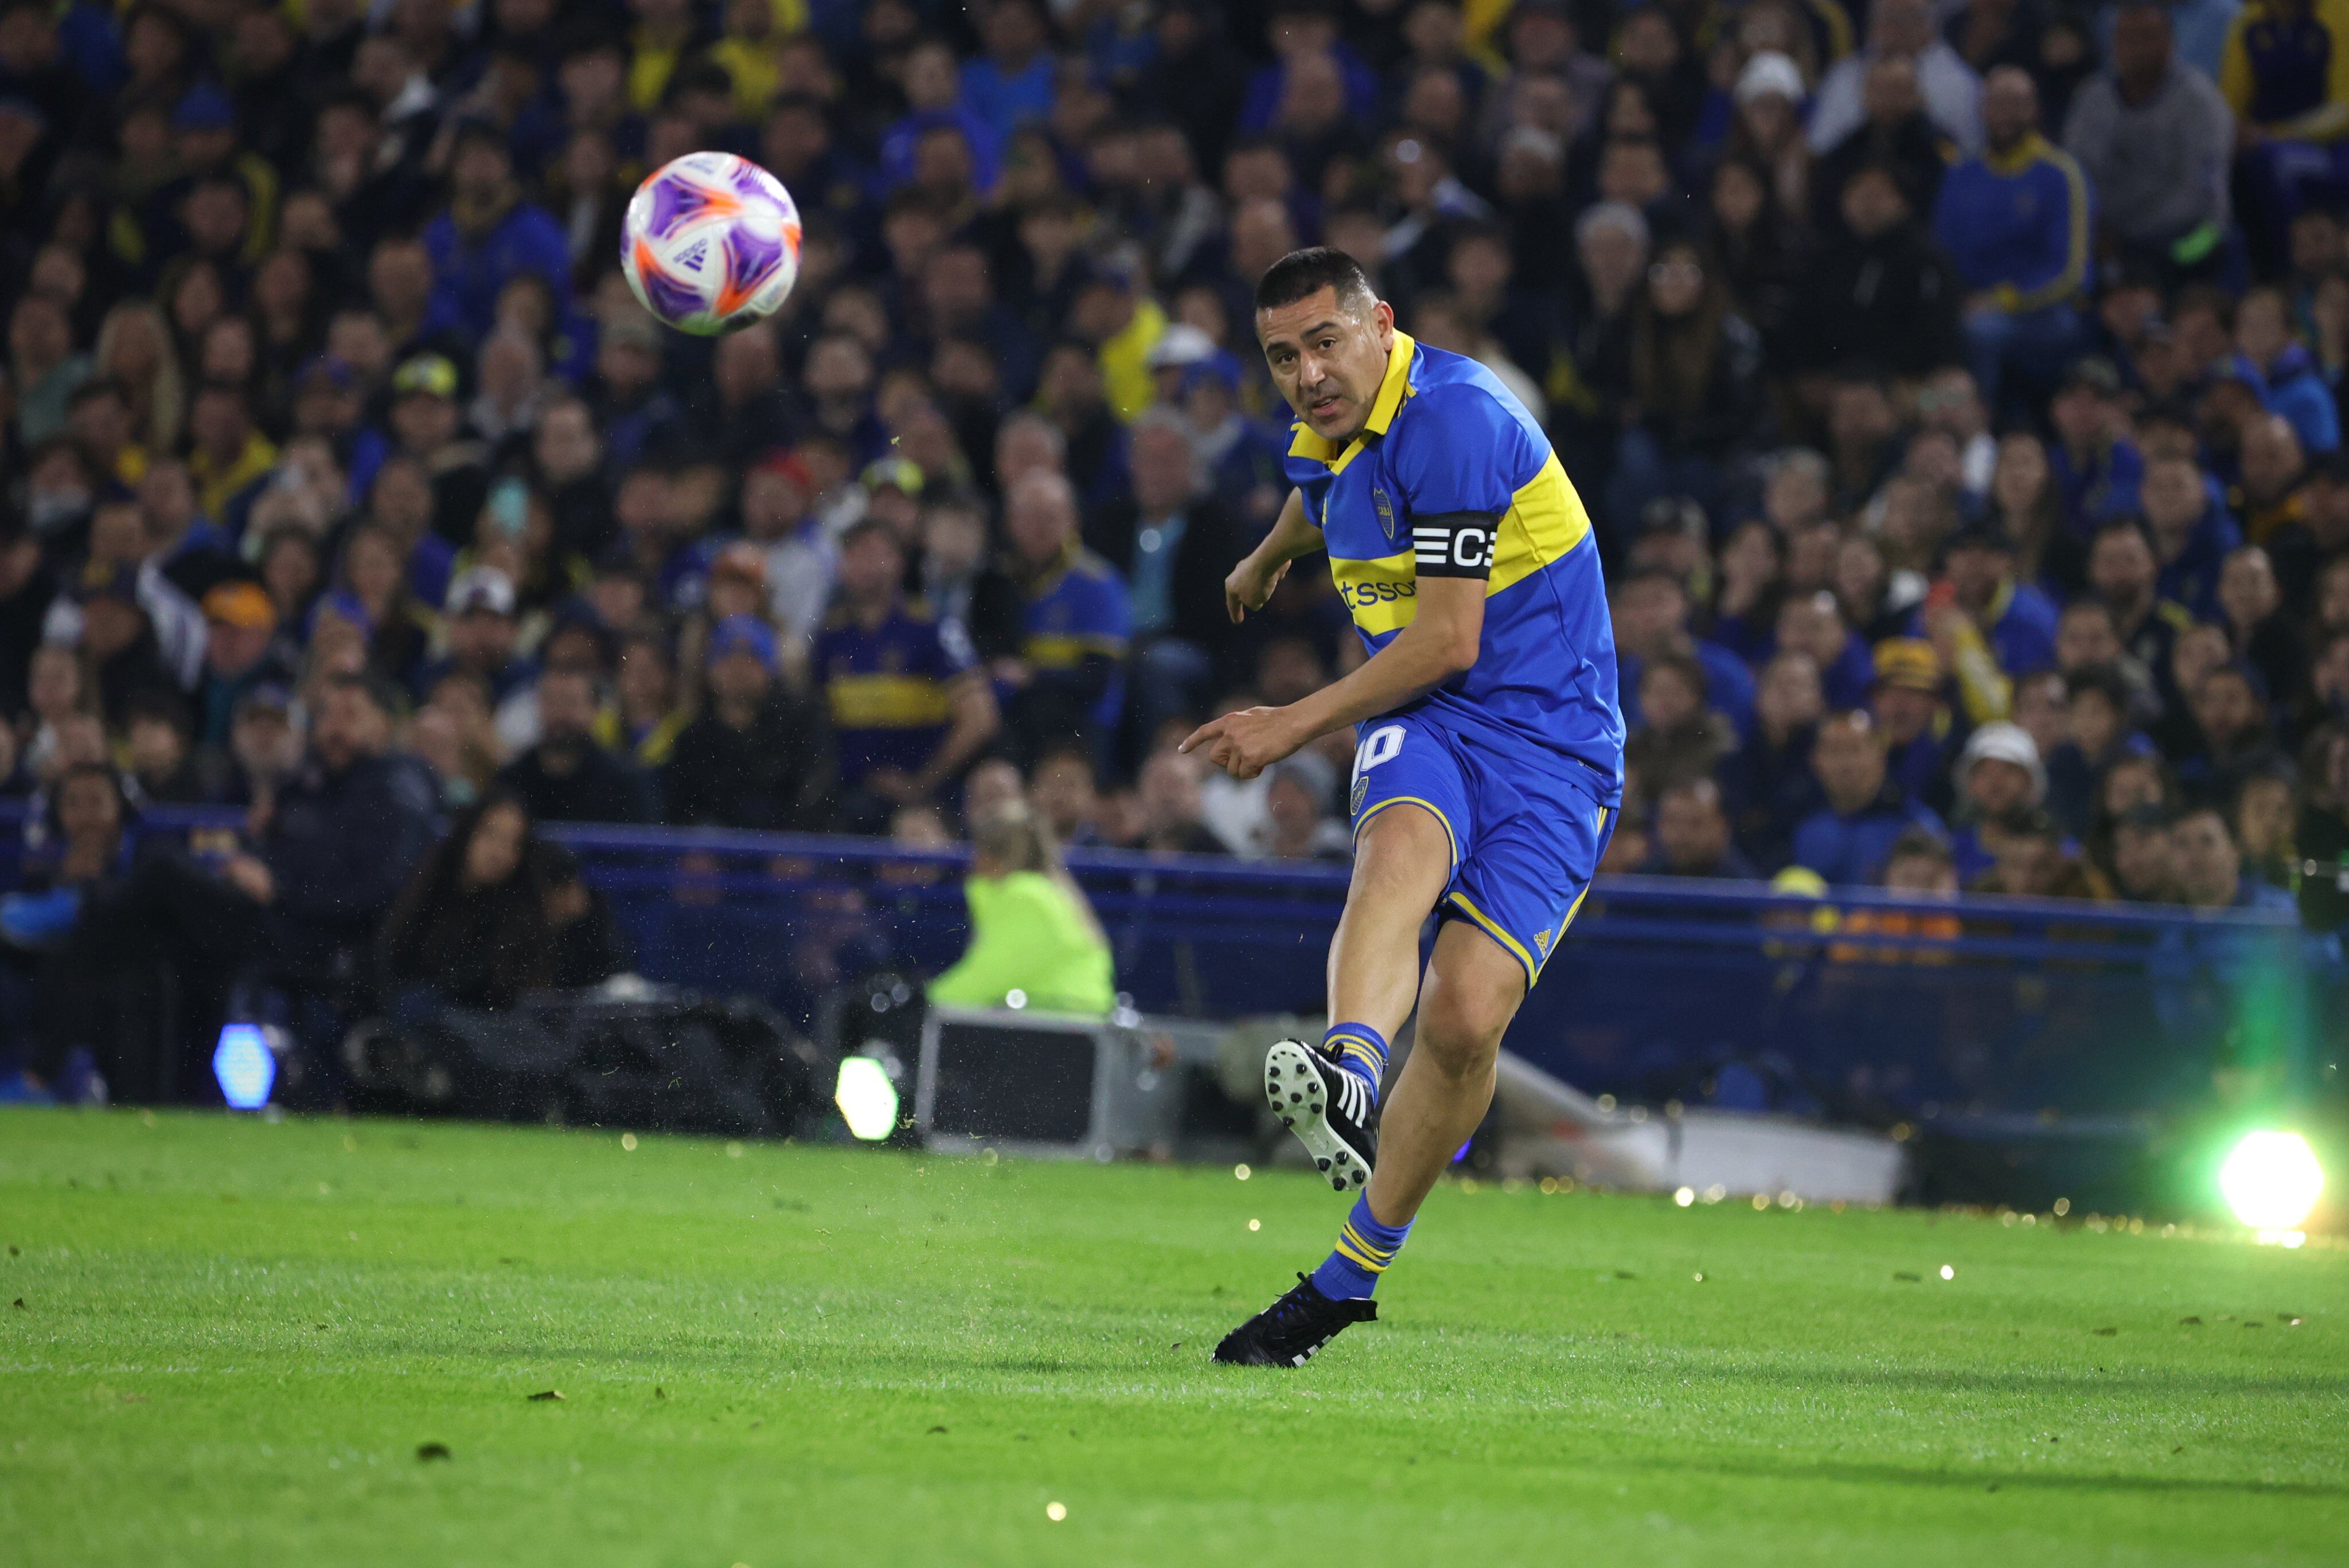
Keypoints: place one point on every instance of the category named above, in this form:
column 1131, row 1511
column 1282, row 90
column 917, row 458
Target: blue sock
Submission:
column 1365, row 1248
column 1361, row 1050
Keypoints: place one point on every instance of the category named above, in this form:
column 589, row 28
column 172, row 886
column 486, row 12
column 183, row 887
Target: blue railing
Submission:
column 1991, row 1013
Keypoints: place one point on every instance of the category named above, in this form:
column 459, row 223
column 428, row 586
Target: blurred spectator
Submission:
column 761, row 754
column 1065, row 794
column 1679, row 739
column 909, row 708
column 488, row 237
column 1692, row 837
column 2263, row 817
column 1174, row 542
column 2028, row 860
column 1298, row 824
column 2153, row 136
column 2208, row 865
column 2143, row 857
column 1169, row 804
column 1768, row 781
column 1886, row 294
column 1999, row 775
column 2285, row 72
column 568, row 776
column 1901, row 31
column 1845, row 840
column 1917, row 867
column 493, row 915
column 1068, row 677
column 2016, row 220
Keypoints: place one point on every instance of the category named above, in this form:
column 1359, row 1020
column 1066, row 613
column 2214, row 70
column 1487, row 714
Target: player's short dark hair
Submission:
column 1301, row 274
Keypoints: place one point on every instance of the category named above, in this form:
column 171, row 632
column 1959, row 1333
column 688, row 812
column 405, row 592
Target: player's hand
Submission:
column 1245, row 743
column 1250, row 586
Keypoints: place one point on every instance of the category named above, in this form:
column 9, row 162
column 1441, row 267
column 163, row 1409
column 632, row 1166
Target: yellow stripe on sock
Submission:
column 1373, row 1258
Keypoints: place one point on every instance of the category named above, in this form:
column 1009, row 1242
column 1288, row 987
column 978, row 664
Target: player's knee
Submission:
column 1461, row 1033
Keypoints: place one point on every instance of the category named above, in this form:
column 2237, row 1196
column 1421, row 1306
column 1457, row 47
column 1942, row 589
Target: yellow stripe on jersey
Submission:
column 1546, row 518
column 1381, row 593
column 887, row 702
column 1060, row 651
column 1492, row 928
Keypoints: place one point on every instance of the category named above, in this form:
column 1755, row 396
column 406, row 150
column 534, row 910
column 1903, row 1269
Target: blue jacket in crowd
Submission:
column 470, row 273
column 1850, row 850
column 2017, row 224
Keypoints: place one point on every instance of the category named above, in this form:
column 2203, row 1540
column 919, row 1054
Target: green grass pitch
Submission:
column 227, row 1342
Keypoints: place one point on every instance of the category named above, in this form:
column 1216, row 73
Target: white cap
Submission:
column 1180, row 344
column 481, row 588
column 2003, row 742
column 1767, row 73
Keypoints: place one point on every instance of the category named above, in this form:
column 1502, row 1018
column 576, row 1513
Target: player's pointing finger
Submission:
column 1210, row 730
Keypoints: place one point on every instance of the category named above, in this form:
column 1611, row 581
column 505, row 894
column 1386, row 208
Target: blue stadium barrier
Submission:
column 1998, row 1015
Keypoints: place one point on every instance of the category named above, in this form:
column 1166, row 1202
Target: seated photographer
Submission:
column 1032, row 931
column 495, row 913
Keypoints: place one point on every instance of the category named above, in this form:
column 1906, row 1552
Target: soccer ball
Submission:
column 711, row 243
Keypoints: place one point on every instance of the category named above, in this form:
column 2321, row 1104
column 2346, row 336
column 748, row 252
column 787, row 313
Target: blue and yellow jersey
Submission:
column 889, row 689
column 1446, row 440
column 2278, row 70
column 2018, row 223
column 1077, row 611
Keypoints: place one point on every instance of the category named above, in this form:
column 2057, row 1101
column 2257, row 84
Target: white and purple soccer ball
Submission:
column 711, row 243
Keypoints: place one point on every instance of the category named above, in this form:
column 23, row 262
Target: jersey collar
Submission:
column 1393, row 388
column 2020, row 157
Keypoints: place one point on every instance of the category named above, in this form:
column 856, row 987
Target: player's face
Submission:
column 1327, row 362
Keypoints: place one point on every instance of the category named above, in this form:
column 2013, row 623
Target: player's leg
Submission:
column 1328, row 1095
column 1403, row 860
column 1509, row 903
column 1411, row 816
column 1474, row 988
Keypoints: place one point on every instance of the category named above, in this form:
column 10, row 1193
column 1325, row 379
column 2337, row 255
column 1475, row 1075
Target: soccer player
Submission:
column 1488, row 759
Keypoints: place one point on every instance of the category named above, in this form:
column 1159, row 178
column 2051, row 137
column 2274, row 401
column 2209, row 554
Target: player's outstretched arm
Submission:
column 1251, row 582
column 1441, row 641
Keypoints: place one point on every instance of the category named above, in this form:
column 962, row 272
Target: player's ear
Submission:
column 1382, row 319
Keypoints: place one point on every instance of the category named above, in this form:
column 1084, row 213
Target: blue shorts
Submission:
column 1527, row 826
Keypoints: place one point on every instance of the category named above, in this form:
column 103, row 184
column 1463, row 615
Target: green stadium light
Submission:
column 867, row 1099
column 2272, row 1180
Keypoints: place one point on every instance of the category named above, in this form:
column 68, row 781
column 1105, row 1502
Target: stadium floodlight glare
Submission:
column 244, row 1065
column 2272, row 1180
column 867, row 1099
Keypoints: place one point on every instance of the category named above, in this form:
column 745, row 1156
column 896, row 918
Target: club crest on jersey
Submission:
column 1386, row 510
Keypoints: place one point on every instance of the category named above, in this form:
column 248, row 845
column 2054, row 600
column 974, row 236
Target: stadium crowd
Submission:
column 1955, row 389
